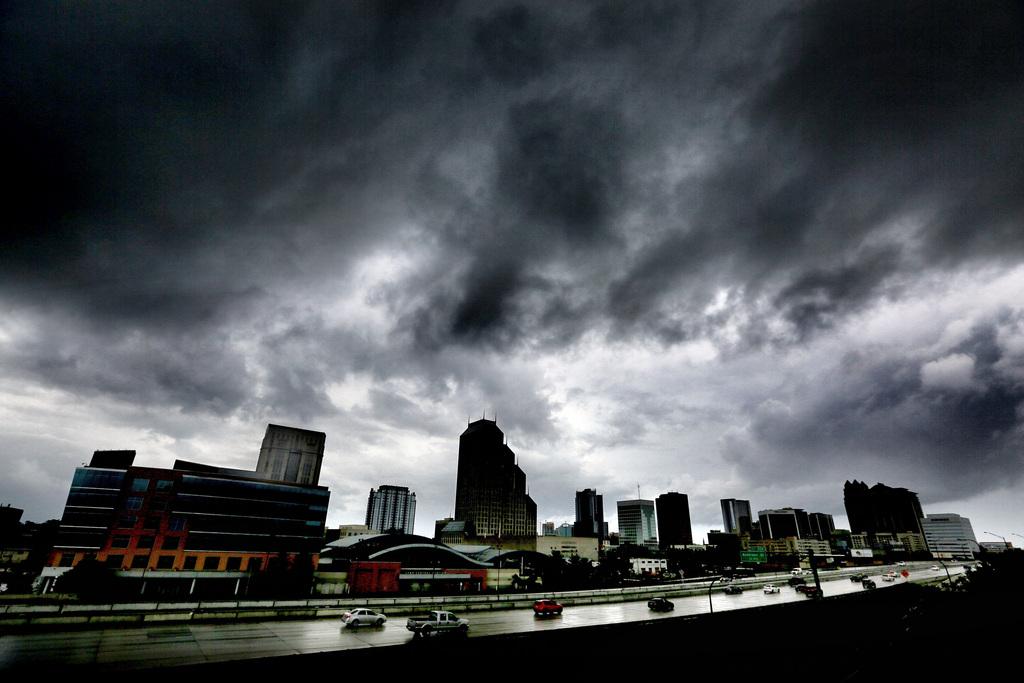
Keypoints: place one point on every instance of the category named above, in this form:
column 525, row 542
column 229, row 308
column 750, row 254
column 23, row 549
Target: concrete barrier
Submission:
column 87, row 608
column 167, row 616
column 135, row 607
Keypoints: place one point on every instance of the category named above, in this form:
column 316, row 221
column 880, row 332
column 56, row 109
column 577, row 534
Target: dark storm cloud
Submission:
column 197, row 186
column 954, row 440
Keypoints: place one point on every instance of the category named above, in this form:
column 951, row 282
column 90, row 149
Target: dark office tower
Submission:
column 391, row 509
column 784, row 523
column 590, row 515
column 291, row 454
column 491, row 489
column 822, row 525
column 736, row 516
column 673, row 519
column 881, row 509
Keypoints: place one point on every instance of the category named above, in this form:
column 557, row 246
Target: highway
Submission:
column 164, row 646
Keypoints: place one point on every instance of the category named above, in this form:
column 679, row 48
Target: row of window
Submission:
column 190, row 563
column 166, row 543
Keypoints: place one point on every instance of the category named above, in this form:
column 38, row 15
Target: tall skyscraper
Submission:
column 490, row 493
column 674, row 520
column 636, row 522
column 590, row 515
column 291, row 454
column 736, row 516
column 881, row 509
column 391, row 508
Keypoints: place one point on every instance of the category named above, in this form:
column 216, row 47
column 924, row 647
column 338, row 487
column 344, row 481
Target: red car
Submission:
column 544, row 607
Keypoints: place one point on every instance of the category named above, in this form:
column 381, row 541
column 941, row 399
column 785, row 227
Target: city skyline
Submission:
column 735, row 250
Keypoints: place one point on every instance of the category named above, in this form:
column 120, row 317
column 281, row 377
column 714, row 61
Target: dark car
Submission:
column 660, row 605
column 545, row 607
column 813, row 592
column 733, row 590
column 797, row 581
column 857, row 577
column 868, row 583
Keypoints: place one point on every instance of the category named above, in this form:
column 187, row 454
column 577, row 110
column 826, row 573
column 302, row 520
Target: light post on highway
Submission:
column 1006, row 544
column 711, row 604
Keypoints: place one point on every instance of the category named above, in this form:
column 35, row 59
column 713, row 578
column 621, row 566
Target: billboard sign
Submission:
column 861, row 552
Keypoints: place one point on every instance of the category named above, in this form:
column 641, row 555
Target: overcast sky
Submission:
column 742, row 250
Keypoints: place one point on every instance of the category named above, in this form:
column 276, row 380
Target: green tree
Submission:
column 90, row 580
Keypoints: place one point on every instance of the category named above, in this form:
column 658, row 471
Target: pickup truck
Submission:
column 435, row 622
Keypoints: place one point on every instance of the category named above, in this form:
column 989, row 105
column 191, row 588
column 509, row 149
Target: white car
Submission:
column 891, row 576
column 770, row 588
column 901, row 563
column 363, row 617
column 935, row 567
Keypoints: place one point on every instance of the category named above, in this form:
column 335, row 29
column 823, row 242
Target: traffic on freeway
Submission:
column 130, row 648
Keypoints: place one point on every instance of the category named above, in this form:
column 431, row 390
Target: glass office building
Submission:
column 185, row 522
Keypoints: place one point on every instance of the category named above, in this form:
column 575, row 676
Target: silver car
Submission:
column 363, row 617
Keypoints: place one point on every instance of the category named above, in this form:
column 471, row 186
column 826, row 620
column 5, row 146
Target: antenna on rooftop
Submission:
column 638, row 490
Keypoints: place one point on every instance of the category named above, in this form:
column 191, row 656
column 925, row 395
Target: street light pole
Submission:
column 711, row 604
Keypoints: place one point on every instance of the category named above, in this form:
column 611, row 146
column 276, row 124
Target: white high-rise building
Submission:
column 391, row 508
column 949, row 535
column 637, row 522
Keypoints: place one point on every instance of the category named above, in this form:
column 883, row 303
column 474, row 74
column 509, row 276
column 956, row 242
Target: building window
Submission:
column 171, row 543
column 164, row 484
column 176, row 524
column 140, row 561
column 234, row 564
column 120, row 541
column 144, row 542
column 152, row 523
column 141, row 485
column 190, row 562
column 67, row 559
column 133, row 503
column 211, row 563
column 126, row 521
column 115, row 561
column 165, row 562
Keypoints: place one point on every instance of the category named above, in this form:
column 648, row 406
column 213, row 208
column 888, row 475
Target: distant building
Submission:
column 949, row 536
column 636, row 522
column 821, row 525
column 490, row 492
column 996, row 546
column 10, row 524
column 439, row 526
column 673, row 511
column 390, row 509
column 590, row 515
column 736, row 516
column 569, row 546
column 192, row 529
column 349, row 530
column 291, row 454
column 881, row 509
column 784, row 523
column 564, row 530
column 548, row 529
column 648, row 566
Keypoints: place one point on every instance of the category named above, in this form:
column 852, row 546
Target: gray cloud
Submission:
column 232, row 211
